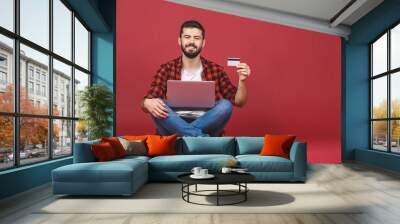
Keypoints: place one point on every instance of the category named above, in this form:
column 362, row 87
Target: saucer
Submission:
column 208, row 176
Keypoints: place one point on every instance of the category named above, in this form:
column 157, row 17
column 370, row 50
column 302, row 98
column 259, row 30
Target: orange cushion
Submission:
column 277, row 145
column 116, row 145
column 135, row 137
column 161, row 145
column 103, row 151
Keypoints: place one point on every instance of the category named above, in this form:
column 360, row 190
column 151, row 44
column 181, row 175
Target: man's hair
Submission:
column 193, row 24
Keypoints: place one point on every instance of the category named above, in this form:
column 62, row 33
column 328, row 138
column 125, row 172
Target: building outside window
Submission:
column 30, row 87
column 55, row 95
column 43, row 90
column 3, row 72
column 37, row 75
column 30, row 72
column 43, row 77
column 38, row 89
column 3, row 78
column 3, row 61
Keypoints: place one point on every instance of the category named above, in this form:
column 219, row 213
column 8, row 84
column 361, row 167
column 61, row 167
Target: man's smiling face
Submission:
column 191, row 42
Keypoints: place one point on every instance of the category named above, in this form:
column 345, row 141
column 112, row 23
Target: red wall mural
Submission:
column 294, row 88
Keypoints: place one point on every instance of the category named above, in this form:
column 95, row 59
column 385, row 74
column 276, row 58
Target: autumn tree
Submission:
column 6, row 122
column 33, row 130
column 396, row 123
column 81, row 129
column 380, row 127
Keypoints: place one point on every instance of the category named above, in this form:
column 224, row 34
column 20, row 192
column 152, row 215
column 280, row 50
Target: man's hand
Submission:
column 156, row 107
column 243, row 70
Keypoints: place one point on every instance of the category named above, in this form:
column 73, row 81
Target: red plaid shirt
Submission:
column 211, row 72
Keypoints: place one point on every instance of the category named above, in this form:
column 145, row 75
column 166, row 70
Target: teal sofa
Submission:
column 125, row 176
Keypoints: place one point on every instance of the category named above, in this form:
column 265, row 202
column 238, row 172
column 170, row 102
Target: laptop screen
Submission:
column 190, row 94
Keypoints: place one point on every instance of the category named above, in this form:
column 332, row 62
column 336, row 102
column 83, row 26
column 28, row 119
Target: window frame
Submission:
column 388, row 74
column 16, row 114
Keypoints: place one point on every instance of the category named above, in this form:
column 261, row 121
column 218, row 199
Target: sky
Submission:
column 395, row 45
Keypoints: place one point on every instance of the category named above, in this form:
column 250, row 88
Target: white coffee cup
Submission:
column 226, row 170
column 196, row 170
column 203, row 172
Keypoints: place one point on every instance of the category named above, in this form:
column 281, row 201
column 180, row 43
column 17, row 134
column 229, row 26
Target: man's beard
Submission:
column 193, row 54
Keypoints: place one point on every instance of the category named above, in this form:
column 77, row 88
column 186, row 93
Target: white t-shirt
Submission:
column 191, row 76
column 194, row 75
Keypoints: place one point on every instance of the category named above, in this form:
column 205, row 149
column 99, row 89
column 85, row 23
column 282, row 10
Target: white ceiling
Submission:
column 318, row 9
column 315, row 15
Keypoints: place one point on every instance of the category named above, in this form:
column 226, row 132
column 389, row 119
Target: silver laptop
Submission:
column 190, row 94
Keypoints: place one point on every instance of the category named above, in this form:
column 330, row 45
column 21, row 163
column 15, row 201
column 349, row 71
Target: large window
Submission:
column 44, row 64
column 385, row 91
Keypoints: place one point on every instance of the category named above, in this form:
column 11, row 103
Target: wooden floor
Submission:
column 377, row 188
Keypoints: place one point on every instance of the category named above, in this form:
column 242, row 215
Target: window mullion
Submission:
column 389, row 112
column 16, row 85
column 371, row 98
column 89, row 55
column 73, row 83
column 50, row 81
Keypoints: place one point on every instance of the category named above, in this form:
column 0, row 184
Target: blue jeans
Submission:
column 211, row 123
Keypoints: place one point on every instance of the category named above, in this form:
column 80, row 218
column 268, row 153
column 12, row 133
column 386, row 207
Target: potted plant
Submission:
column 97, row 105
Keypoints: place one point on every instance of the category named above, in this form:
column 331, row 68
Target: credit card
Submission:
column 233, row 62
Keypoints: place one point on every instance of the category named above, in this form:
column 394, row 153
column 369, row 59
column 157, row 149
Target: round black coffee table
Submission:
column 238, row 179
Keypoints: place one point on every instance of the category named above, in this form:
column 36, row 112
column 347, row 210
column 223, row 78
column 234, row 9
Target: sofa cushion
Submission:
column 116, row 145
column 249, row 145
column 207, row 145
column 103, row 151
column 185, row 163
column 134, row 147
column 111, row 171
column 257, row 163
column 277, row 145
column 161, row 145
